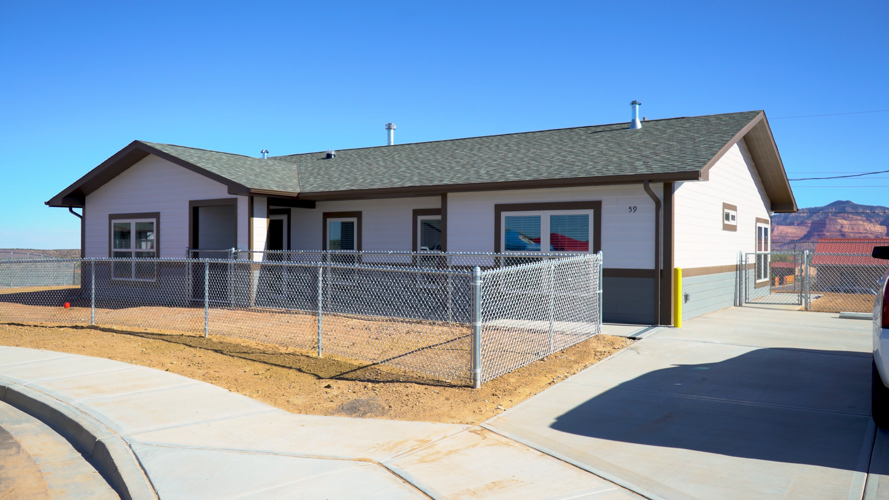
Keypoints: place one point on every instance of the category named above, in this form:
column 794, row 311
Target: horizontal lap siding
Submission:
column 154, row 185
column 709, row 293
column 387, row 224
column 700, row 240
column 627, row 238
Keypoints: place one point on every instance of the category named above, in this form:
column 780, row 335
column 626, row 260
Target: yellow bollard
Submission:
column 677, row 297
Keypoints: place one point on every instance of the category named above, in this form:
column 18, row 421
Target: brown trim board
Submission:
column 341, row 215
column 596, row 206
column 416, row 191
column 668, row 253
column 417, row 213
column 729, row 227
column 444, row 222
column 194, row 219
column 250, row 225
column 142, row 215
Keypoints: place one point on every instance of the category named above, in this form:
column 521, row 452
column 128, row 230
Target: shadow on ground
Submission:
column 782, row 405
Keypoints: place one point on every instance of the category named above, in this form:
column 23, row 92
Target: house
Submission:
column 687, row 192
column 842, row 265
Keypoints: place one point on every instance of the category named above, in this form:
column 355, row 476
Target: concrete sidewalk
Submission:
column 744, row 403
column 175, row 437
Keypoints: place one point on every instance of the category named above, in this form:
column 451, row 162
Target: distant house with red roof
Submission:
column 845, row 265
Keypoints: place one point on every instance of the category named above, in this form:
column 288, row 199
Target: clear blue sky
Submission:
column 80, row 80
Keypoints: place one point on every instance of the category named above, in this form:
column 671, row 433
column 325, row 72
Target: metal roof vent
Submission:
column 331, row 153
column 391, row 128
column 265, row 154
column 634, row 122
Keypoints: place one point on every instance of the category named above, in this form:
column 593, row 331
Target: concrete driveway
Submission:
column 743, row 403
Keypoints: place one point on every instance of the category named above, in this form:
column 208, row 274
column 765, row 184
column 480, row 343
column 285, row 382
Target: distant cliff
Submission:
column 840, row 219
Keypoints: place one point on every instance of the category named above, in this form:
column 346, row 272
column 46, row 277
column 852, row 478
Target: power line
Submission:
column 833, row 114
column 839, row 176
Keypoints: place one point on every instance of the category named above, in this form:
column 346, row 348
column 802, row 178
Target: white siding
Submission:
column 700, row 240
column 627, row 237
column 155, row 185
column 386, row 224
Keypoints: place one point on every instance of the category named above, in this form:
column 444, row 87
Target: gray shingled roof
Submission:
column 660, row 146
column 251, row 172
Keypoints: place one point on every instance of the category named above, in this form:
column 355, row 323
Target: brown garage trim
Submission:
column 444, row 222
column 284, row 211
column 762, row 284
column 83, row 232
column 729, row 227
column 250, row 225
column 418, row 212
column 143, row 215
column 416, row 191
column 668, row 253
column 341, row 215
column 596, row 206
column 193, row 219
column 706, row 271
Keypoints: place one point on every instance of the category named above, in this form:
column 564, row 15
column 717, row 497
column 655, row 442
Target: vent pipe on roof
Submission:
column 265, row 154
column 634, row 122
column 331, row 153
column 390, row 127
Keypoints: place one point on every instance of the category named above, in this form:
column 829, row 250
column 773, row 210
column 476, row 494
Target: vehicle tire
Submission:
column 879, row 399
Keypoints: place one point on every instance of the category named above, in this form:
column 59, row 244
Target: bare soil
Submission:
column 843, row 302
column 299, row 382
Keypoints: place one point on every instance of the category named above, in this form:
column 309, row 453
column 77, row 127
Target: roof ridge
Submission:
column 198, row 149
column 514, row 133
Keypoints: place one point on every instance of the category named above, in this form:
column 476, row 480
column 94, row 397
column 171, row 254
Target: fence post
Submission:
column 206, row 298
column 552, row 302
column 93, row 292
column 742, row 277
column 320, row 294
column 600, row 292
column 806, row 278
column 476, row 352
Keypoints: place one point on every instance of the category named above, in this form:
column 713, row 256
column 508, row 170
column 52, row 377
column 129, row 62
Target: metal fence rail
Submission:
column 415, row 315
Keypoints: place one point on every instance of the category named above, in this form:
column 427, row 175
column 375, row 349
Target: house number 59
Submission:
column 633, row 209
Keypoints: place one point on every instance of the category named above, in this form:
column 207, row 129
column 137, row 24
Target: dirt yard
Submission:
column 842, row 302
column 298, row 382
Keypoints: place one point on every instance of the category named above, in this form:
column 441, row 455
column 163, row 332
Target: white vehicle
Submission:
column 880, row 377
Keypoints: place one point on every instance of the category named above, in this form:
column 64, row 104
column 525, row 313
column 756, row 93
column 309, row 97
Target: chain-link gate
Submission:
column 774, row 278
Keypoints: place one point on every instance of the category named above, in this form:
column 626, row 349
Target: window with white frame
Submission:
column 134, row 239
column 547, row 231
column 763, row 246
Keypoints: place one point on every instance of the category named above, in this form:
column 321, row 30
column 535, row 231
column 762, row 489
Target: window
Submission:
column 763, row 246
column 729, row 217
column 342, row 233
column 429, row 233
column 134, row 239
column 547, row 231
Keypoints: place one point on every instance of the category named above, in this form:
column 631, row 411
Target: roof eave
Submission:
column 75, row 194
column 435, row 190
column 757, row 134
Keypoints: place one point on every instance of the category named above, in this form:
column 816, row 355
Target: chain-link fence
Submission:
column 816, row 281
column 414, row 314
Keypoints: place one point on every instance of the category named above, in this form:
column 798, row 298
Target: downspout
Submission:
column 82, row 232
column 657, row 252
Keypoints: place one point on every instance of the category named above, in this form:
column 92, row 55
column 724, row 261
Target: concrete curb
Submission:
column 106, row 451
